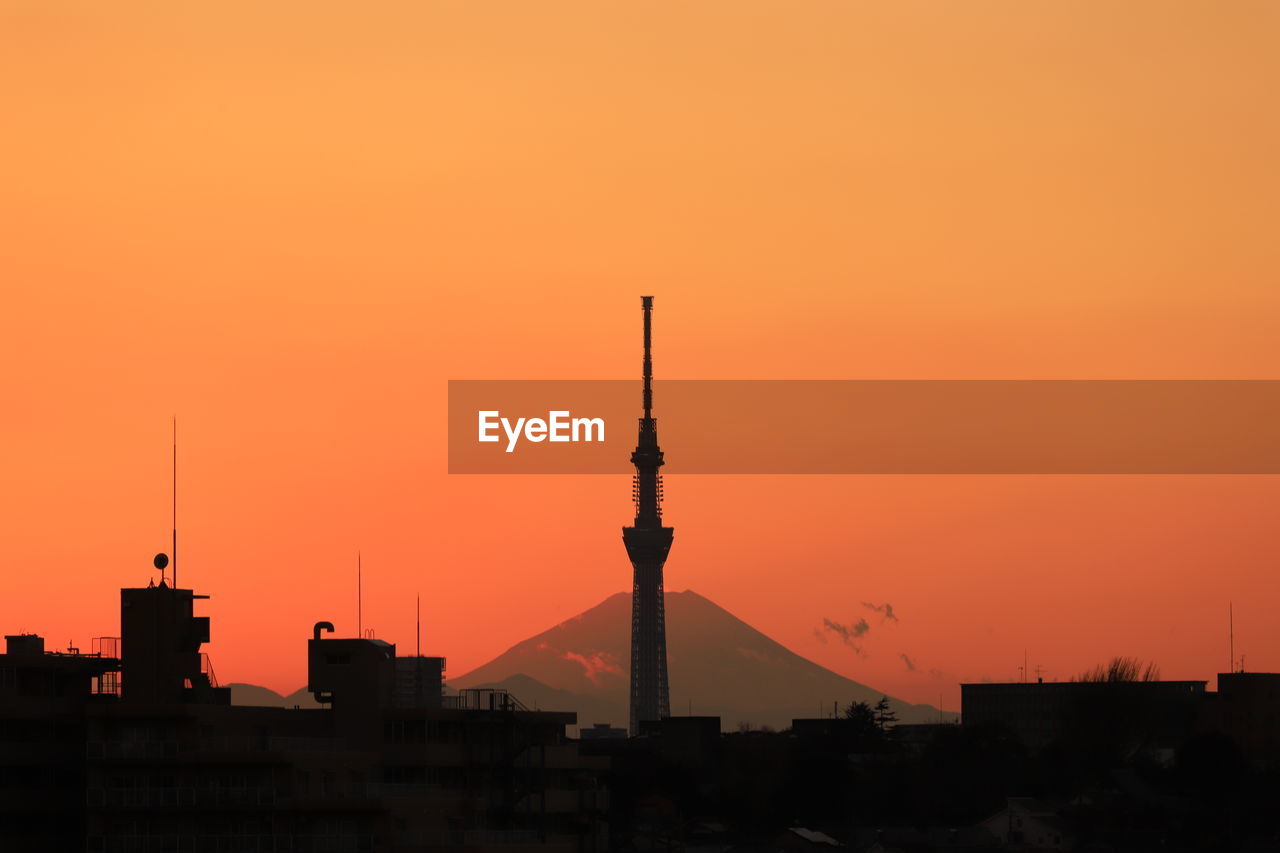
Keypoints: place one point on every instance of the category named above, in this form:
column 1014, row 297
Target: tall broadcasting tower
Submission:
column 647, row 544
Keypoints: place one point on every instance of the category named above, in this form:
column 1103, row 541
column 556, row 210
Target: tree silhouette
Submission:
column 1121, row 669
column 861, row 715
column 884, row 715
column 862, row 732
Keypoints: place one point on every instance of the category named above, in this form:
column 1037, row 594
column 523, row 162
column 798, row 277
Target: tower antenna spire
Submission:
column 646, row 303
column 359, row 594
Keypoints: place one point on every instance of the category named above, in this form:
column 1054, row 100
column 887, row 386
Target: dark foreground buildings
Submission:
column 131, row 746
column 1105, row 768
column 1150, row 718
column 1153, row 715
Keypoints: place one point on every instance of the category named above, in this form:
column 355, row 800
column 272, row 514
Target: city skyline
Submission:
column 855, row 635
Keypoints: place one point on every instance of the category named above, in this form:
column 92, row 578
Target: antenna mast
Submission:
column 359, row 595
column 175, row 502
column 646, row 303
column 1231, row 635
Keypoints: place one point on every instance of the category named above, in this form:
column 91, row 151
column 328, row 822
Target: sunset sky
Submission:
column 290, row 223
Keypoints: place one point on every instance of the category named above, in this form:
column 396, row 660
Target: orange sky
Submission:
column 290, row 223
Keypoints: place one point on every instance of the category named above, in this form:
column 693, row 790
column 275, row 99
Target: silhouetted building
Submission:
column 916, row 737
column 1026, row 823
column 45, row 698
column 602, row 731
column 1146, row 714
column 419, row 682
column 353, row 675
column 1246, row 708
column 688, row 742
column 817, row 727
column 165, row 763
column 161, row 637
column 648, row 543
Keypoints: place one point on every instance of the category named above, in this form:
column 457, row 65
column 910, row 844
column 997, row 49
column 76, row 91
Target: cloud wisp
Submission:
column 885, row 610
column 849, row 634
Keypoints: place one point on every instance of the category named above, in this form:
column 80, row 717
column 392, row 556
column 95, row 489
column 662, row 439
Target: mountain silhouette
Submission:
column 719, row 666
column 252, row 694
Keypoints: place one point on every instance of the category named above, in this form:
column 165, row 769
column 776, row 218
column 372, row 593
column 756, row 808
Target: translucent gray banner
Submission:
column 870, row 427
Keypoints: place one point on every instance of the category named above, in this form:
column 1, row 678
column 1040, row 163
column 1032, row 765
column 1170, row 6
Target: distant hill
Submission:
column 252, row 694
column 721, row 664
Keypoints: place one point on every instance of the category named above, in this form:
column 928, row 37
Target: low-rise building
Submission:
column 144, row 752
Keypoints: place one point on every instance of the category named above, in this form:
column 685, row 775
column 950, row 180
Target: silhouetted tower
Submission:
column 647, row 545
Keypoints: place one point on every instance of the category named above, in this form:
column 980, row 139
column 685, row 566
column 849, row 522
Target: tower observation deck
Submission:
column 648, row 543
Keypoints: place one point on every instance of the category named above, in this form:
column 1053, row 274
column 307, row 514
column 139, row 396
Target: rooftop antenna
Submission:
column 1231, row 636
column 359, row 595
column 175, row 503
column 417, row 661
